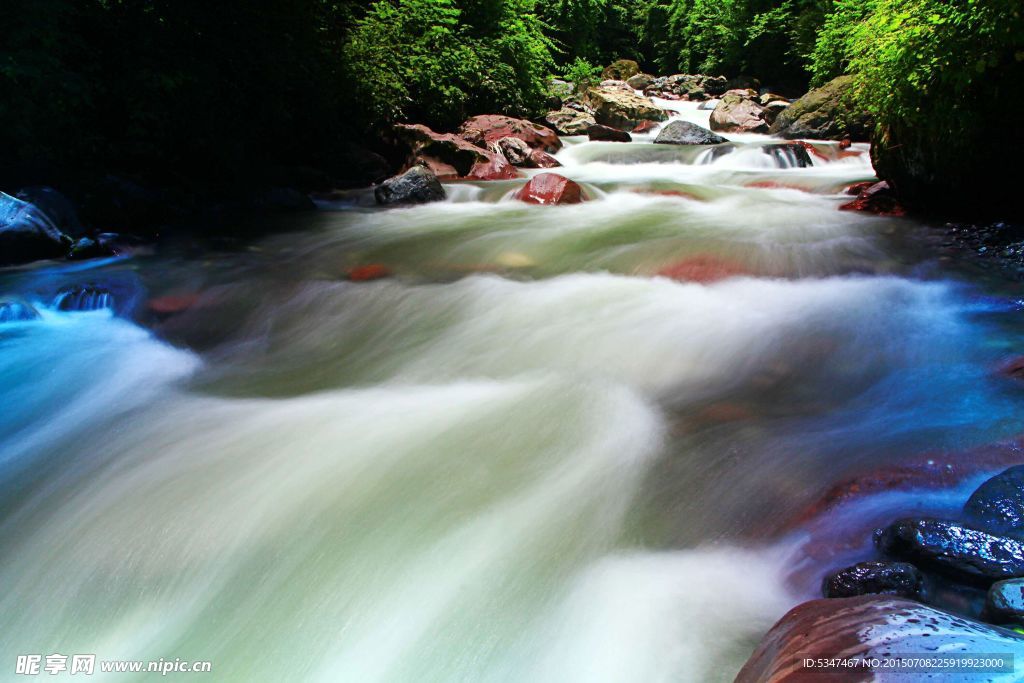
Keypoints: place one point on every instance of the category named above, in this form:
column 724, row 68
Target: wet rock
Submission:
column 57, row 208
column 450, row 156
column 27, row 233
column 869, row 627
column 686, row 133
column 621, row 70
column 621, row 109
column 703, row 269
column 788, row 155
column 570, row 121
column 85, row 248
column 867, row 578
column 739, row 112
column 707, row 105
column 645, row 127
column 998, row 504
column 16, row 310
column 514, row 149
column 539, row 159
column 1005, row 602
column 493, row 127
column 597, row 132
column 877, row 199
column 550, row 188
column 639, row 81
column 824, row 113
column 950, row 548
column 773, row 109
column 418, row 185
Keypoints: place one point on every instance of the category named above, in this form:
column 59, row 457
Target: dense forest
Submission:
column 186, row 92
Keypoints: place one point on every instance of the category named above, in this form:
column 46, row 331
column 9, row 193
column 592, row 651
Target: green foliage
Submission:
column 582, row 74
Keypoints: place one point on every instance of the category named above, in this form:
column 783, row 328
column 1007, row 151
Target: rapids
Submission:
column 525, row 457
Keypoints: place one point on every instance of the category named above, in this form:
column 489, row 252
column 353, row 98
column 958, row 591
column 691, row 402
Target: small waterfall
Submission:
column 713, row 154
column 13, row 310
column 83, row 298
column 788, row 155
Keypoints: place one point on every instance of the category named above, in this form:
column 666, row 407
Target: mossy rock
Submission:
column 620, row 70
column 825, row 113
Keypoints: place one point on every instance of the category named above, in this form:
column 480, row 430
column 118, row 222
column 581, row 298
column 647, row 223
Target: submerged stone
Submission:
column 866, row 578
column 998, row 504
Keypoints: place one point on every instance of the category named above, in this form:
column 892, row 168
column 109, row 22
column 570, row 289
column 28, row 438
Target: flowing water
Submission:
column 525, row 457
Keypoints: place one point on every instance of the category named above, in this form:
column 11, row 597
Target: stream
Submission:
column 548, row 448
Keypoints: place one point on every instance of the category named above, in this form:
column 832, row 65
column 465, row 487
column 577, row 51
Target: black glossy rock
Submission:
column 998, row 504
column 600, row 133
column 1005, row 601
column 27, row 234
column 418, row 185
column 868, row 578
column 686, row 133
column 950, row 548
column 788, row 155
column 56, row 206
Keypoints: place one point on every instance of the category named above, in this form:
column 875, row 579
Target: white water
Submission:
column 498, row 466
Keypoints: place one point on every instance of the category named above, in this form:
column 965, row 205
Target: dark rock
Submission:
column 877, row 199
column 1005, row 601
column 357, row 166
column 418, row 185
column 869, row 627
column 539, row 159
column 27, row 234
column 739, row 112
column 597, row 132
column 15, row 310
column 639, row 81
column 743, row 82
column 56, row 206
column 788, row 155
column 494, row 127
column 123, row 205
column 866, row 578
column 950, row 548
column 620, row 70
column 824, row 113
column 998, row 504
column 686, row 133
column 84, row 298
column 85, row 248
column 550, row 188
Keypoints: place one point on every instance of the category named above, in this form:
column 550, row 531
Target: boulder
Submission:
column 877, row 199
column 686, row 133
column 539, row 159
column 773, row 109
column 622, row 110
column 824, row 113
column 56, row 206
column 16, row 310
column 739, row 112
column 514, row 149
column 418, row 185
column 621, row 70
column 450, row 156
column 998, row 504
column 950, row 548
column 493, row 127
column 1005, row 602
column 597, row 132
column 570, row 121
column 869, row 627
column 788, row 155
column 639, row 81
column 550, row 188
column 27, row 233
column 867, row 578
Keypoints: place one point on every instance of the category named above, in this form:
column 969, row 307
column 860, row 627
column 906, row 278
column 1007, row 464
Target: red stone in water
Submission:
column 845, row 143
column 876, row 199
column 539, row 159
column 645, row 126
column 811, row 149
column 172, row 303
column 496, row 126
column 372, row 271
column 550, row 188
column 772, row 185
column 857, row 188
column 703, row 269
column 666, row 193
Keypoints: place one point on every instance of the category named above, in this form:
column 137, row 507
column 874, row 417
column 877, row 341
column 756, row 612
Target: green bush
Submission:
column 582, row 74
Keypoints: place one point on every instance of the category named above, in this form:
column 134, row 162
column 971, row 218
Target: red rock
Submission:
column 540, row 159
column 857, row 188
column 450, row 156
column 493, row 127
column 772, row 185
column 666, row 193
column 811, row 149
column 172, row 303
column 869, row 627
column 877, row 199
column 597, row 132
column 645, row 126
column 372, row 271
column 702, row 268
column 550, row 188
column 845, row 143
